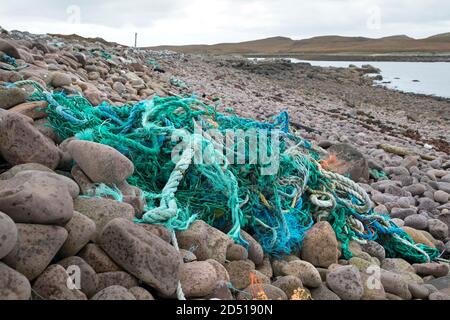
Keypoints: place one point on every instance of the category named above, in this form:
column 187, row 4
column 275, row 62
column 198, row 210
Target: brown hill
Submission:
column 324, row 45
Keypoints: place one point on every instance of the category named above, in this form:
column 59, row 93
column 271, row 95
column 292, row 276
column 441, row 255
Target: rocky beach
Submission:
column 393, row 145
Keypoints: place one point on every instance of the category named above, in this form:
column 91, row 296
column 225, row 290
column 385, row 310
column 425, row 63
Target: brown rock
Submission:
column 35, row 110
column 239, row 272
column 98, row 259
column 52, row 285
column 207, row 242
column 13, row 285
column 198, row 279
column 37, row 246
column 320, row 246
column 89, row 280
column 114, row 293
column 21, row 142
column 117, row 278
column 81, row 230
column 141, row 294
column 143, row 254
column 99, row 162
column 102, row 211
column 38, row 197
column 8, row 235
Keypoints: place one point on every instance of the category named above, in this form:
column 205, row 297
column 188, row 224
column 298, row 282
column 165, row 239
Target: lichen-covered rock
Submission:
column 53, row 285
column 13, row 285
column 346, row 282
column 320, row 246
column 37, row 246
column 99, row 162
column 198, row 279
column 21, row 142
column 8, row 235
column 205, row 241
column 142, row 254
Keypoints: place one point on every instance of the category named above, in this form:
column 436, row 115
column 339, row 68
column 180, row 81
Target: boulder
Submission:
column 394, row 283
column 270, row 291
column 98, row 259
column 255, row 251
column 21, row 142
column 13, row 285
column 323, row 293
column 102, row 211
column 24, row 167
column 37, row 246
column 114, row 293
column 9, row 48
column 81, row 230
column 431, row 269
column 53, row 285
column 356, row 165
column 288, row 284
column 8, row 235
column 305, row 271
column 89, row 280
column 10, row 97
column 35, row 110
column 99, row 162
column 205, row 241
column 141, row 294
column 116, row 278
column 142, row 254
column 346, row 282
column 198, row 279
column 38, row 197
column 236, row 252
column 320, row 246
column 239, row 272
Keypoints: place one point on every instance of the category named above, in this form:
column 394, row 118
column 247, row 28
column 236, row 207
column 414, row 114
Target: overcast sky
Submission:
column 213, row 21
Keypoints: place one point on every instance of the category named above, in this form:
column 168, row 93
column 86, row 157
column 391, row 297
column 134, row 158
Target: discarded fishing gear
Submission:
column 277, row 208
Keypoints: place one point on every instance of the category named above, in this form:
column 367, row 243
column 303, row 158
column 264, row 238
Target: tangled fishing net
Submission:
column 277, row 208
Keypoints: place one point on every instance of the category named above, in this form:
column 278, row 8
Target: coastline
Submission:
column 358, row 57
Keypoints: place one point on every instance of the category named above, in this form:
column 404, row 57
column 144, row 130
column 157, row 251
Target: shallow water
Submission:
column 433, row 77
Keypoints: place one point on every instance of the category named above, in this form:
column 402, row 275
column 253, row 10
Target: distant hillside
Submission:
column 323, row 45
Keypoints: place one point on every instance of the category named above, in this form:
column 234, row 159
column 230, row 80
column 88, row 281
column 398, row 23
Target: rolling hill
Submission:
column 324, row 45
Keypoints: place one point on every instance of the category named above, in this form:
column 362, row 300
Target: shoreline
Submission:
column 356, row 57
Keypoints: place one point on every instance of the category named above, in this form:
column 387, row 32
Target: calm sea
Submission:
column 431, row 78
